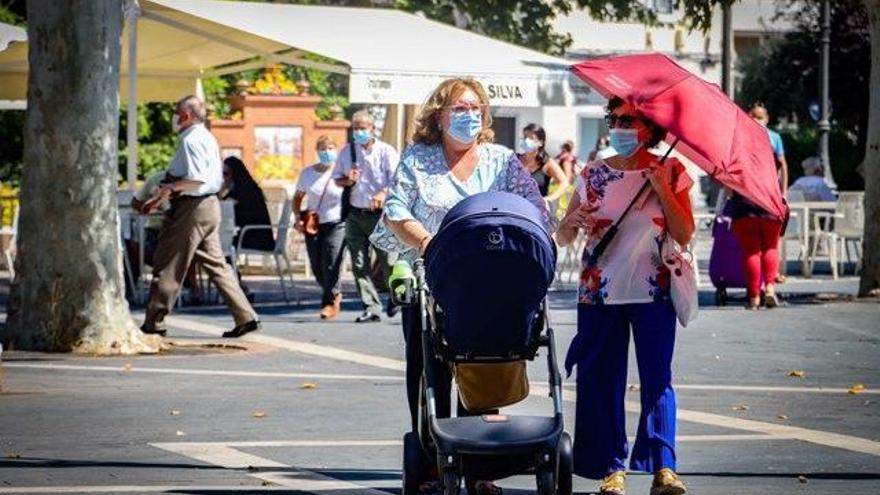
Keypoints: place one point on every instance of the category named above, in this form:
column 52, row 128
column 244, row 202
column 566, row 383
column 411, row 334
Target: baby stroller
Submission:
column 482, row 294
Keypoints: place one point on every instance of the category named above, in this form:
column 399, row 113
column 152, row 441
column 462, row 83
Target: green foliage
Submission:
column 696, row 14
column 846, row 155
column 156, row 140
column 11, row 145
column 216, row 90
column 527, row 23
column 784, row 75
column 9, row 13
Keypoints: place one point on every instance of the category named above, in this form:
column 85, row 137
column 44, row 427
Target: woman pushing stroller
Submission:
column 451, row 158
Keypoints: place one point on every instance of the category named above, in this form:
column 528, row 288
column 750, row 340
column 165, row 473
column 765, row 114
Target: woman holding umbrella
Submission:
column 651, row 98
column 627, row 287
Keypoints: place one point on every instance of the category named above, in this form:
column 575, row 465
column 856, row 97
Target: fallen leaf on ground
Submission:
column 802, row 479
column 13, row 455
column 856, row 389
column 267, row 483
column 781, row 416
column 797, row 373
column 741, row 407
column 259, row 414
column 308, row 386
column 175, row 412
column 633, row 388
column 127, row 367
column 180, row 433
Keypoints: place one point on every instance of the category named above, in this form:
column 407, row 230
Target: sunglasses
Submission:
column 621, row 121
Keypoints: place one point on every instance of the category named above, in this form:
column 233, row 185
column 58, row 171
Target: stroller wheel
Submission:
column 564, row 466
column 413, row 464
column 546, row 481
column 451, row 482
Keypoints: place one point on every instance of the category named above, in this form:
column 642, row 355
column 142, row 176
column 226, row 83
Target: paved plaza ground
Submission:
column 307, row 406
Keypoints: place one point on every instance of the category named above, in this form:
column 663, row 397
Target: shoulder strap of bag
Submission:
column 326, row 185
column 612, row 231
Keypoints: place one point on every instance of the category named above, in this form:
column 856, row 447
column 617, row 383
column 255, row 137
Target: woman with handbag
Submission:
column 626, row 286
column 322, row 224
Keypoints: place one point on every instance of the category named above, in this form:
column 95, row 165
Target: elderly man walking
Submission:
column 190, row 229
column 369, row 177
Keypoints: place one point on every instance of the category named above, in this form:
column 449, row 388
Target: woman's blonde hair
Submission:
column 325, row 140
column 428, row 127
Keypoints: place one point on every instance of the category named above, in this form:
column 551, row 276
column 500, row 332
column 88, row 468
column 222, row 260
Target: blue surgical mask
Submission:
column 625, row 141
column 464, row 127
column 327, row 156
column 527, row 145
column 362, row 136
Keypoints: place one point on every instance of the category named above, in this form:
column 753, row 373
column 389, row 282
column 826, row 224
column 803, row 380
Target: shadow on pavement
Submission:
column 43, row 463
column 831, row 476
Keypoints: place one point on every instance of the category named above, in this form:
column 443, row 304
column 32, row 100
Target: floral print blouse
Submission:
column 630, row 270
column 425, row 189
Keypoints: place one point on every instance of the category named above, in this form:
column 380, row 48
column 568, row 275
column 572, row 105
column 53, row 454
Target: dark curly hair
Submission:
column 658, row 133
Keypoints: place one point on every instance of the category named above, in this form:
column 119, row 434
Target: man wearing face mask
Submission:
column 190, row 229
column 369, row 178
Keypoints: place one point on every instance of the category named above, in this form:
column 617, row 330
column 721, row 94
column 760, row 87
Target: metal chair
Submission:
column 282, row 230
column 227, row 231
column 794, row 233
column 836, row 231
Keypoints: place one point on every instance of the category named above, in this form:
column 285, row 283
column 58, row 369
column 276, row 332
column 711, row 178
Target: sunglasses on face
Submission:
column 621, row 121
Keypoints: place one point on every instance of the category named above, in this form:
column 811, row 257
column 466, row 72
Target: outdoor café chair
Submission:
column 836, row 231
column 278, row 254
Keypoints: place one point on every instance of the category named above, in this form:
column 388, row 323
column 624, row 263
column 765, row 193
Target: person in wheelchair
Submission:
column 452, row 157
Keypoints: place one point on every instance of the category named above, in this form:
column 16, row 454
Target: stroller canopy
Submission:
column 489, row 268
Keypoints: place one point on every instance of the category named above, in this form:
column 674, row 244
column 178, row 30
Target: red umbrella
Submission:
column 712, row 130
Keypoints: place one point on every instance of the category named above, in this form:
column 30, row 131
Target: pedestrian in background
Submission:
column 812, row 185
column 369, row 175
column 322, row 224
column 190, row 231
column 568, row 160
column 543, row 169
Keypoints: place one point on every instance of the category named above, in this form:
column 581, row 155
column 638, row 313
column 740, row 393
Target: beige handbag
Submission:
column 485, row 386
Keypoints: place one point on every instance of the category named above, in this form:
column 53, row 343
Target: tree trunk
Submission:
column 69, row 294
column 870, row 281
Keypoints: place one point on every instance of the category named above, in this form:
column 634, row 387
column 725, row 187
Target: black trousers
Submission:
column 412, row 336
column 476, row 468
column 325, row 258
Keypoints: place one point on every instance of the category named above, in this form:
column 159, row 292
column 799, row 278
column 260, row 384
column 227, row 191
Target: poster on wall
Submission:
column 278, row 152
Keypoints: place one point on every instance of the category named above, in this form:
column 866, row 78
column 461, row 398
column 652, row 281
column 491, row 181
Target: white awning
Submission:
column 390, row 55
column 10, row 34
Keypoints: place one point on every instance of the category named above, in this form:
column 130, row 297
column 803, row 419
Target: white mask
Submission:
column 175, row 123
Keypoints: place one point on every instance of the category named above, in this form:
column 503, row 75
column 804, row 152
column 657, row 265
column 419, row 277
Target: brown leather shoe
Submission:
column 331, row 310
